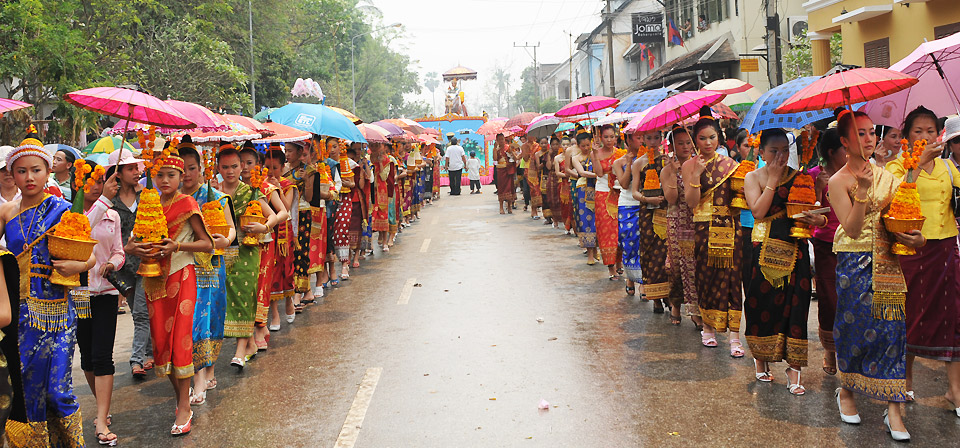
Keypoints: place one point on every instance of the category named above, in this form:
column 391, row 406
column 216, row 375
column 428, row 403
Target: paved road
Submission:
column 458, row 358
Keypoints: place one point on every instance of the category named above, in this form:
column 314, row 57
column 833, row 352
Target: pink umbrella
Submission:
column 728, row 86
column 493, row 126
column 428, row 139
column 392, row 129
column 673, row 109
column 129, row 104
column 205, row 120
column 937, row 65
column 523, row 119
column 7, row 105
column 431, row 131
column 412, row 126
column 587, row 105
column 374, row 133
column 247, row 122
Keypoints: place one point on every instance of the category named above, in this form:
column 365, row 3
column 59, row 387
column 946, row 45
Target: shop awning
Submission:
column 864, row 13
column 685, row 67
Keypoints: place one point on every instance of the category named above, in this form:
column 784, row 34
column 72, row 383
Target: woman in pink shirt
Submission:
column 97, row 312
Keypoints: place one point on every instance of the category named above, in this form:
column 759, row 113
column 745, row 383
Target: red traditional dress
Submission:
column 282, row 284
column 360, row 209
column 341, row 226
column 384, row 180
column 172, row 297
column 318, row 227
column 268, row 251
column 606, row 199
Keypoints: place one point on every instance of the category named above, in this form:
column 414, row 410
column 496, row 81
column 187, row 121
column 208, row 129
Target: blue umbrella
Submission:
column 761, row 115
column 318, row 119
column 54, row 147
column 640, row 101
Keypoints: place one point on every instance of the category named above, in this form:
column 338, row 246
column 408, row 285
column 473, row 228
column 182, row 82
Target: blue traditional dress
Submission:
column 869, row 329
column 587, row 228
column 210, row 311
column 46, row 336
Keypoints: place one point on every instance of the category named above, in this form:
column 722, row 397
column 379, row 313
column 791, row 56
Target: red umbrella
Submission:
column 247, row 122
column 523, row 120
column 7, row 105
column 587, row 105
column 846, row 88
column 673, row 109
column 431, row 131
column 721, row 110
column 374, row 133
column 728, row 86
column 493, row 126
column 283, row 134
column 130, row 104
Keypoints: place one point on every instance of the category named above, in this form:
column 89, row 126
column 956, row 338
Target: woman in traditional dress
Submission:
column 551, row 183
column 341, row 228
column 211, row 276
column 565, row 187
column 532, row 176
column 384, row 177
column 506, row 169
column 933, row 273
column 45, row 410
column 778, row 297
column 681, row 232
column 628, row 214
column 249, row 157
column 832, row 157
column 717, row 251
column 242, row 261
column 297, row 174
column 869, row 332
column 587, row 179
column 281, row 287
column 652, row 231
column 606, row 198
column 319, row 193
column 171, row 297
column 359, row 213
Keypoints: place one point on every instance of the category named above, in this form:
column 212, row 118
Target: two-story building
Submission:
column 877, row 33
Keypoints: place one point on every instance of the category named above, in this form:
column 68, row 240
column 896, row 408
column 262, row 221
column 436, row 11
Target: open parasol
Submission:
column 674, row 109
column 762, row 116
column 374, row 133
column 523, row 119
column 7, row 105
column 728, row 86
column 203, row 119
column 846, row 88
column 129, row 104
column 392, row 129
column 586, row 105
column 493, row 126
column 318, row 119
column 640, row 101
column 280, row 133
column 355, row 119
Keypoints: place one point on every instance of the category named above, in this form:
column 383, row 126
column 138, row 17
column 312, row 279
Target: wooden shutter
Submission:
column 945, row 30
column 877, row 53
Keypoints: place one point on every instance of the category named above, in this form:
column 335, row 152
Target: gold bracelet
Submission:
column 694, row 186
column 853, row 191
column 178, row 247
column 767, row 187
column 825, row 222
column 862, row 201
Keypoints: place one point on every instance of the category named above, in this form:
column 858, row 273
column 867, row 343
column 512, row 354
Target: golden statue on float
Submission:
column 454, row 98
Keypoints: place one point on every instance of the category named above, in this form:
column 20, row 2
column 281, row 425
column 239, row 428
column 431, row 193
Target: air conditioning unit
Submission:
column 796, row 25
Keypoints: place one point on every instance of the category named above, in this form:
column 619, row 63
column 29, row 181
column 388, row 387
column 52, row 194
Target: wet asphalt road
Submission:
column 441, row 340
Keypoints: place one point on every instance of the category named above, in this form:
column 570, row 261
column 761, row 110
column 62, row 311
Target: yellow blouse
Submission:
column 935, row 192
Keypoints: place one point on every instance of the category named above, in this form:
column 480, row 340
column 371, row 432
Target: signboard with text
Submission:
column 647, row 28
column 749, row 65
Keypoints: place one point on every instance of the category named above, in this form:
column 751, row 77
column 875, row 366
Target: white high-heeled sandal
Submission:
column 795, row 389
column 764, row 376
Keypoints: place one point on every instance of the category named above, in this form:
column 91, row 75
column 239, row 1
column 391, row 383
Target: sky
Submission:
column 480, row 34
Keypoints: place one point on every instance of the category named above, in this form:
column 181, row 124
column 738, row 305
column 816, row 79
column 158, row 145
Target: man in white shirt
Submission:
column 456, row 159
column 473, row 173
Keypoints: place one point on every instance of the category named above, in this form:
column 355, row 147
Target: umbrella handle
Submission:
column 123, row 137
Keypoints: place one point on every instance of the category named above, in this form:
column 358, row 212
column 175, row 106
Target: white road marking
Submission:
column 406, row 291
column 351, row 426
column 425, row 245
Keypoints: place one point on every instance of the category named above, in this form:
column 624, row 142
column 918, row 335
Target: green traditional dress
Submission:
column 243, row 266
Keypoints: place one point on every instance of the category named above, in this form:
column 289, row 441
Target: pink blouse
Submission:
column 109, row 249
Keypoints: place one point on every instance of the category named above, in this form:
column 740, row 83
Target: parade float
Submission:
column 457, row 122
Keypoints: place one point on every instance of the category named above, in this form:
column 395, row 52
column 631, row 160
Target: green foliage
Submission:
column 798, row 60
column 550, row 105
column 527, row 98
column 199, row 51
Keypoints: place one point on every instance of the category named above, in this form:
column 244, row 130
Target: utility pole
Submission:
column 253, row 86
column 536, row 68
column 613, row 87
column 774, row 73
column 570, row 98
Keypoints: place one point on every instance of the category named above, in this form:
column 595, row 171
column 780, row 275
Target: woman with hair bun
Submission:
column 718, row 242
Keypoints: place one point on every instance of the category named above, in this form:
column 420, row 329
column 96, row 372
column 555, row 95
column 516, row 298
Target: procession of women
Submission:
column 738, row 232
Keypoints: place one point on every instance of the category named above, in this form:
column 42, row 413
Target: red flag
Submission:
column 651, row 58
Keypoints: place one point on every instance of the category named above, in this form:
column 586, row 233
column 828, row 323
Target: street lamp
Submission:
column 353, row 71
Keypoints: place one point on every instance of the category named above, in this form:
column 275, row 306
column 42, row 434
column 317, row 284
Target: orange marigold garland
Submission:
column 150, row 225
column 808, row 142
column 802, row 191
column 75, row 226
column 651, row 181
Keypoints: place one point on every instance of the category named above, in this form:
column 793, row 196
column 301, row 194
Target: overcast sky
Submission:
column 480, row 34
